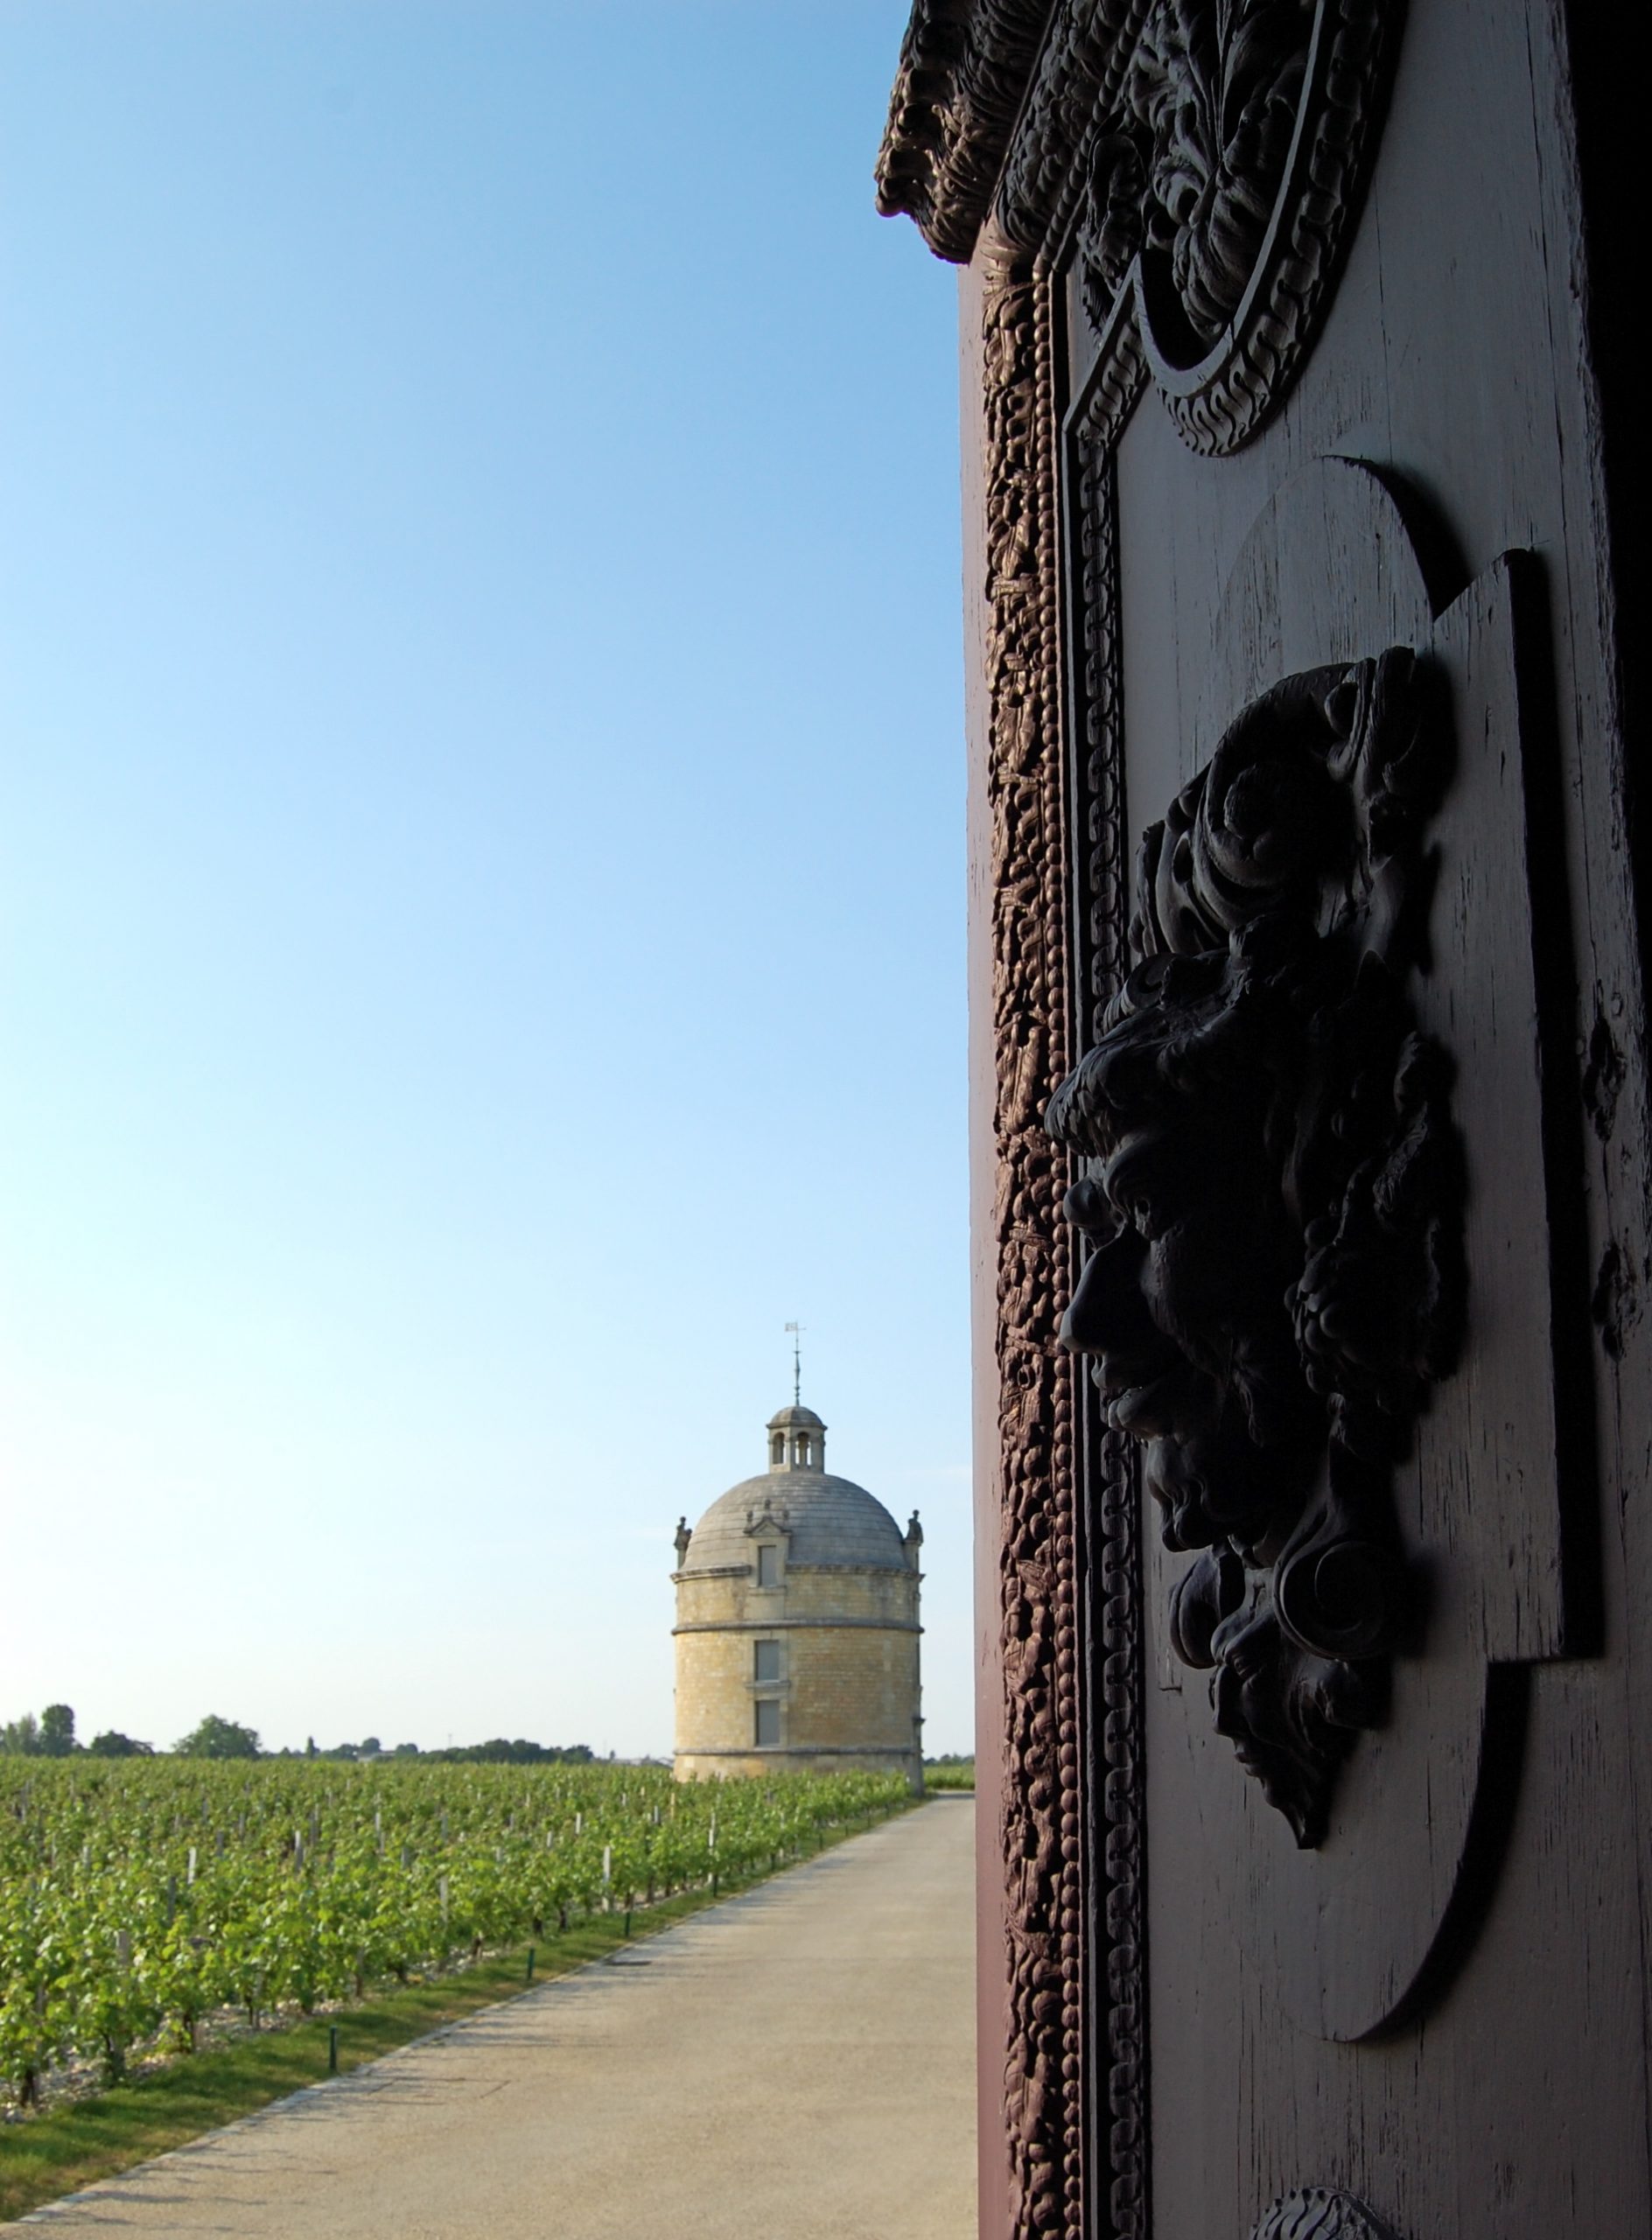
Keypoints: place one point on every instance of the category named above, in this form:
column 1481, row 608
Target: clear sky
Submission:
column 481, row 888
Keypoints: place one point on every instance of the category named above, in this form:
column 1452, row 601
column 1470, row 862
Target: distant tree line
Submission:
column 52, row 1735
column 500, row 1753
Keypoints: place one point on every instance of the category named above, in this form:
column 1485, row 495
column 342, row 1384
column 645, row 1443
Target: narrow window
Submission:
column 768, row 1723
column 768, row 1566
column 767, row 1666
column 777, row 1447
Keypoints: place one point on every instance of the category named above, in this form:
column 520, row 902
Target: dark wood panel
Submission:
column 1437, row 2004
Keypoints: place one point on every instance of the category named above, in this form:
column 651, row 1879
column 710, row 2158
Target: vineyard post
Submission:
column 117, row 2036
column 332, row 2049
column 530, row 1963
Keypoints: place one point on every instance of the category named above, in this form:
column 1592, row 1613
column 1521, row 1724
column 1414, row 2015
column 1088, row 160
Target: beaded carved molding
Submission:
column 1040, row 1828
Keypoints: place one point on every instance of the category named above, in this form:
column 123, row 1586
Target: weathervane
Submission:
column 796, row 1330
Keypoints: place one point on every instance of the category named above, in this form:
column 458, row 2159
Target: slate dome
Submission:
column 829, row 1521
column 797, row 1626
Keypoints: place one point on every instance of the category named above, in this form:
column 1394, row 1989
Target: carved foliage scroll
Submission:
column 1202, row 159
column 1319, row 2213
column 1218, row 192
column 1041, row 1833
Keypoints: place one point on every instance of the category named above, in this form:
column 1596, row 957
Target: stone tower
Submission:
column 797, row 1623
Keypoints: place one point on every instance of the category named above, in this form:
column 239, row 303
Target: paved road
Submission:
column 796, row 2064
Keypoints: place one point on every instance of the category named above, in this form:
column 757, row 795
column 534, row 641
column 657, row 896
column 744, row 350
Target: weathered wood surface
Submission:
column 1457, row 356
column 1452, row 359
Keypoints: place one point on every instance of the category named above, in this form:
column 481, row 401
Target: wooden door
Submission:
column 1311, row 1170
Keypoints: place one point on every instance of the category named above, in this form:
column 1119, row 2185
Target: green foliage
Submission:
column 20, row 1738
column 500, row 1753
column 57, row 1730
column 139, row 1894
column 218, row 1738
column 113, row 1744
column 949, row 1773
column 81, row 2141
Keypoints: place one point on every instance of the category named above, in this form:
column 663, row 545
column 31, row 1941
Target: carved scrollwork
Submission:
column 1220, row 190
column 1276, row 1277
column 1320, row 2213
column 1208, row 158
column 1189, row 176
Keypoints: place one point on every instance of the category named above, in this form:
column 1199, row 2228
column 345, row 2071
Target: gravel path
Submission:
column 795, row 2064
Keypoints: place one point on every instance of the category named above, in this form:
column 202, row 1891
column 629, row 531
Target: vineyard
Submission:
column 137, row 1898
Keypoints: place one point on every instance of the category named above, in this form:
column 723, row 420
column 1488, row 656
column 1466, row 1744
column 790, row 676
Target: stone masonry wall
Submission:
column 849, row 1660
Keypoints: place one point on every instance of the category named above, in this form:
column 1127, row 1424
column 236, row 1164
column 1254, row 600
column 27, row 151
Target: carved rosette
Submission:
column 1041, row 1832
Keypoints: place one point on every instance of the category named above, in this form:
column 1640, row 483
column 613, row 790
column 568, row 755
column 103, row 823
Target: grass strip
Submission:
column 67, row 2147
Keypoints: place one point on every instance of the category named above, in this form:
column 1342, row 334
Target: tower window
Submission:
column 777, row 1447
column 768, row 1724
column 766, row 1660
column 768, row 1566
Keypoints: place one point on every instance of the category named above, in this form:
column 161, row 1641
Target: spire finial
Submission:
column 795, row 1329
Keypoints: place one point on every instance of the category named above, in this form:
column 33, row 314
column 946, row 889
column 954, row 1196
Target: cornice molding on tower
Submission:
column 815, row 1625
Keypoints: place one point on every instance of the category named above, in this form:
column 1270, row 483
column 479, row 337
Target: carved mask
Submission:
column 1274, row 1205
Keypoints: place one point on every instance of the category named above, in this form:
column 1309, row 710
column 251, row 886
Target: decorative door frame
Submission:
column 1065, row 1692
column 1005, row 125
column 1039, row 1676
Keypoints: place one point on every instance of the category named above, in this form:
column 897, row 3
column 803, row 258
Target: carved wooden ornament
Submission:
column 1318, row 1303
column 1320, row 2213
column 1276, row 1212
column 1220, row 192
column 1208, row 159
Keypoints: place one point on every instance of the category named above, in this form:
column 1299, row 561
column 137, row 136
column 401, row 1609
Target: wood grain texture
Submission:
column 1451, row 359
column 1459, row 357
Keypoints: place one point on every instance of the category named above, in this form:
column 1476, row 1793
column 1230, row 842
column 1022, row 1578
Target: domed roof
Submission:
column 795, row 1417
column 828, row 1520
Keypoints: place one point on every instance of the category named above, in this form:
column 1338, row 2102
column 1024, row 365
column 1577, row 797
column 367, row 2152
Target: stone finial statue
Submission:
column 683, row 1537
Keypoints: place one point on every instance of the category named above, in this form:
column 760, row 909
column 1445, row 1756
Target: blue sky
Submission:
column 481, row 881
